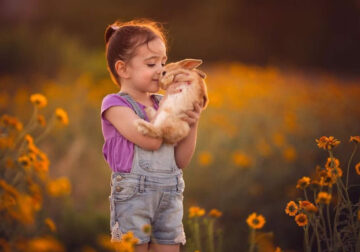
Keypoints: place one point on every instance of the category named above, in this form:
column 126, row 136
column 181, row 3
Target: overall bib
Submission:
column 152, row 193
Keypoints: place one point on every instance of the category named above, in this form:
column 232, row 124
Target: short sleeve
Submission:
column 113, row 100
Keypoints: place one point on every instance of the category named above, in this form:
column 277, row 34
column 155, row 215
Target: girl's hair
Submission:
column 122, row 39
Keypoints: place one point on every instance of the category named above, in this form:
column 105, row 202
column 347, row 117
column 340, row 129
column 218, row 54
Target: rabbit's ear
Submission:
column 190, row 63
column 201, row 73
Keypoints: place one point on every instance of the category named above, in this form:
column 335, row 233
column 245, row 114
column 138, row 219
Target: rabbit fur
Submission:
column 166, row 122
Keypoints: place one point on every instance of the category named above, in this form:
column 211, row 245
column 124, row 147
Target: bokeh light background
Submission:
column 280, row 74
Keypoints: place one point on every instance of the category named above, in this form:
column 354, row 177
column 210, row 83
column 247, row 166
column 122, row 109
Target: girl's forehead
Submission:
column 155, row 48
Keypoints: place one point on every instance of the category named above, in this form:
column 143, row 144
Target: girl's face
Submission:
column 146, row 66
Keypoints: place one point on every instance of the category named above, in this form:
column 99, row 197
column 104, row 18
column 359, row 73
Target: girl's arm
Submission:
column 123, row 119
column 184, row 149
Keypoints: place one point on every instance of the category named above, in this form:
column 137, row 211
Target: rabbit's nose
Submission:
column 163, row 73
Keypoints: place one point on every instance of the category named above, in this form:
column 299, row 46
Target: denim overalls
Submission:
column 152, row 193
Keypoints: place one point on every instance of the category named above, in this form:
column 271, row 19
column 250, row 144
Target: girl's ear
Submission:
column 121, row 69
column 201, row 73
column 190, row 63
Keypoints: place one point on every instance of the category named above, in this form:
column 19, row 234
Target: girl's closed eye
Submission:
column 152, row 65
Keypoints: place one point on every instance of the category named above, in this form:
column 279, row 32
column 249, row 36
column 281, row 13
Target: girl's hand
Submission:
column 192, row 116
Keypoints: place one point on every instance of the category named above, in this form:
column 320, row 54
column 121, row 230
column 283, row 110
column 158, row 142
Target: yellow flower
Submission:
column 62, row 116
column 9, row 189
column 205, row 158
column 255, row 221
column 39, row 100
column 278, row 249
column 11, row 121
column 323, row 197
column 215, row 213
column 334, row 173
column 278, row 139
column 129, row 238
column 29, row 139
column 327, row 143
column 25, row 162
column 263, row 148
column 241, row 159
column 357, row 168
column 301, row 219
column 146, row 229
column 327, row 180
column 41, row 120
column 308, row 206
column 123, row 247
column 33, row 149
column 50, row 223
column 196, row 211
column 58, row 187
column 355, row 139
column 291, row 208
column 336, row 163
column 320, row 171
column 26, row 210
column 289, row 153
column 45, row 243
column 303, row 183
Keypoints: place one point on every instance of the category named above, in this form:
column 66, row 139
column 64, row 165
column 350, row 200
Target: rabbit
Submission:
column 166, row 122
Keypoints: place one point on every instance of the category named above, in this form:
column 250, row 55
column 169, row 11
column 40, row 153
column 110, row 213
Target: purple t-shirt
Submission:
column 118, row 151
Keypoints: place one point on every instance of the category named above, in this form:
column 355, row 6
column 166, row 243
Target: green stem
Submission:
column 252, row 240
column 348, row 168
column 306, row 239
column 20, row 137
column 219, row 236
column 329, row 224
column 324, row 225
column 317, row 235
column 197, row 233
column 46, row 130
column 306, row 197
column 211, row 235
column 347, row 203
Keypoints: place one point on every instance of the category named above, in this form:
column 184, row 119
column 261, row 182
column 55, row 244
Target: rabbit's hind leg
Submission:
column 147, row 129
column 175, row 130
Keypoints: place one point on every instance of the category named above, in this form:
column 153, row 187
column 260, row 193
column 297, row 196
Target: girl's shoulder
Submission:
column 113, row 100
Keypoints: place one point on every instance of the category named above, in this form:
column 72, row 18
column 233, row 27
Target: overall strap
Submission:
column 158, row 98
column 133, row 103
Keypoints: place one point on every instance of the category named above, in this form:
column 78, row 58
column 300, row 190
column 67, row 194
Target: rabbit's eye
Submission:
column 163, row 73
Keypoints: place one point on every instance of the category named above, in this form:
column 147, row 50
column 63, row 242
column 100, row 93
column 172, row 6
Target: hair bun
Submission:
column 110, row 31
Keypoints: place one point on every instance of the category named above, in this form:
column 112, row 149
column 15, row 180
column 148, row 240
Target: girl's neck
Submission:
column 142, row 97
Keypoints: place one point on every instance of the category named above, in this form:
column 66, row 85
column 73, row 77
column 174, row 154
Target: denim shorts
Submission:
column 137, row 200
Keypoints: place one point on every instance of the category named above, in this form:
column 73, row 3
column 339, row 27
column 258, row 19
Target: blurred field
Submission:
column 255, row 140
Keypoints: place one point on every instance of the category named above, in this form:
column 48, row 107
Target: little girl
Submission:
column 147, row 182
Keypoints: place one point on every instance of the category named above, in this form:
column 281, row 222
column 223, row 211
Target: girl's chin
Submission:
column 155, row 88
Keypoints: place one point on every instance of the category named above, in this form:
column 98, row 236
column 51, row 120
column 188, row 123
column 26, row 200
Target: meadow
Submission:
column 256, row 139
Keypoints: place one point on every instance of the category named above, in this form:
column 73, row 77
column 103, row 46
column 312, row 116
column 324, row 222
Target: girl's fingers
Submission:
column 191, row 114
column 197, row 107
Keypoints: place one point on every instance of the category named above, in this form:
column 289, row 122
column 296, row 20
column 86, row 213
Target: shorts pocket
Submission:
column 181, row 184
column 123, row 191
